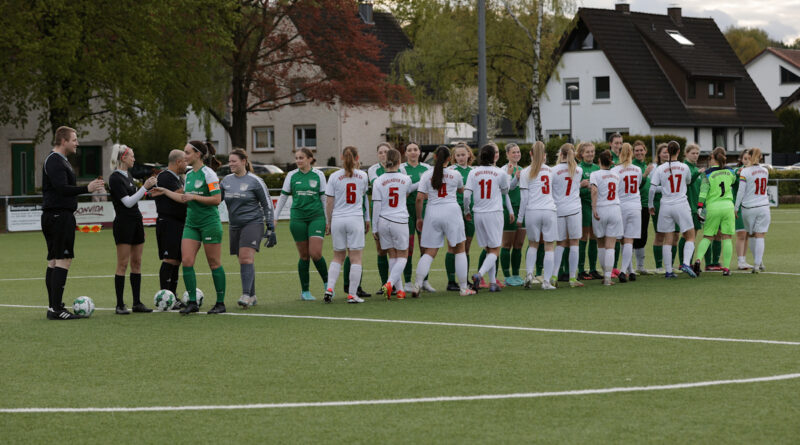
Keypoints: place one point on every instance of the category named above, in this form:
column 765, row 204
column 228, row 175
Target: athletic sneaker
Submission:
column 564, row 277
column 466, row 291
column 761, row 267
column 554, row 281
column 140, row 307
column 713, row 267
column 687, row 269
column 755, row 269
column 670, row 275
column 426, row 286
column 453, row 286
column 401, row 295
column 328, row 298
column 500, row 284
column 495, row 287
column 514, row 281
column 414, row 290
column 361, row 293
column 615, row 272
column 218, row 308
column 306, row 296
column 483, row 284
column 253, row 300
column 596, row 275
column 178, row 305
column 726, row 272
column 61, row 314
column 696, row 268
column 191, row 306
column 631, row 276
column 744, row 266
column 607, row 282
column 660, row 270
column 528, row 280
column 584, row 276
column 387, row 290
column 547, row 286
column 575, row 283
column 244, row 301
column 354, row 299
column 643, row 272
column 621, row 277
column 477, row 282
column 122, row 310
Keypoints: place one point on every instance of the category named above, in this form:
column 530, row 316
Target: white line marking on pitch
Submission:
column 440, row 399
column 483, row 326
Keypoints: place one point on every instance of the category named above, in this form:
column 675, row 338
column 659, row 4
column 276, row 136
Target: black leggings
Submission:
column 642, row 242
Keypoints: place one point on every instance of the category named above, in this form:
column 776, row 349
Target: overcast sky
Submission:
column 780, row 18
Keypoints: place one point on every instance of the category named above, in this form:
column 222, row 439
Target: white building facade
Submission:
column 776, row 73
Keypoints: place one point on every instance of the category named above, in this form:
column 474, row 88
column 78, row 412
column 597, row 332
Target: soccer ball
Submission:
column 83, row 306
column 200, row 296
column 164, row 300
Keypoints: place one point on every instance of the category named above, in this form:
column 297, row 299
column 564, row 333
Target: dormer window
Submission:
column 716, row 89
column 679, row 37
column 788, row 76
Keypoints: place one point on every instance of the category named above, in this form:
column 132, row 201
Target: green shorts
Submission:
column 507, row 226
column 696, row 221
column 412, row 218
column 586, row 215
column 719, row 220
column 739, row 222
column 302, row 230
column 208, row 234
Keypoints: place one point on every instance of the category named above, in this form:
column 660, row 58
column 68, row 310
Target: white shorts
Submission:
column 756, row 219
column 440, row 222
column 570, row 227
column 489, row 228
column 347, row 232
column 541, row 224
column 670, row 215
column 610, row 222
column 632, row 223
column 393, row 235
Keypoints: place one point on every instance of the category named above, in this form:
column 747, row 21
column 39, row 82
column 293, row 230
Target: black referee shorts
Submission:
column 128, row 231
column 58, row 227
column 168, row 234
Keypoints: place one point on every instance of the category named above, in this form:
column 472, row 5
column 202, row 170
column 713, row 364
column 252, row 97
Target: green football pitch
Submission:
column 711, row 360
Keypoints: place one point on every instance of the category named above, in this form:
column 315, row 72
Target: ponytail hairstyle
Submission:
column 673, row 148
column 567, row 154
column 486, row 154
column 719, row 156
column 392, row 158
column 755, row 156
column 626, row 155
column 350, row 157
column 118, row 151
column 241, row 154
column 207, row 152
column 606, row 159
column 538, row 158
column 309, row 154
column 442, row 154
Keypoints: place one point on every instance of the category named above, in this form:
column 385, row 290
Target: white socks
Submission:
column 688, row 252
column 461, row 269
column 666, row 250
column 573, row 261
column 609, row 263
column 530, row 260
column 396, row 266
column 547, row 269
column 627, row 258
column 333, row 274
column 423, row 267
column 488, row 264
column 355, row 278
column 601, row 257
column 758, row 252
column 558, row 257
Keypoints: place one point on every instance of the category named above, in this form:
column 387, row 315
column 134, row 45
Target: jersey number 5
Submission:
column 394, row 198
column 350, row 193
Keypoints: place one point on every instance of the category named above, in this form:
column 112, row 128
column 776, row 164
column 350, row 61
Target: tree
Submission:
column 113, row 64
column 289, row 52
column 748, row 42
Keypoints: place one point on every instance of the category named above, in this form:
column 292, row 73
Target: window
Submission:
column 305, row 136
column 298, row 87
column 788, row 76
column 719, row 135
column 263, row 138
column 553, row 134
column 571, row 94
column 601, row 88
column 87, row 161
column 679, row 37
column 607, row 132
column 692, row 92
column 588, row 42
column 716, row 89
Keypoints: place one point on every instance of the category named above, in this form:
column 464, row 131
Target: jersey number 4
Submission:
column 350, row 193
column 443, row 191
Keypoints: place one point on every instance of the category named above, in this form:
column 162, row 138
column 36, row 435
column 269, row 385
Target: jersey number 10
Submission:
column 761, row 186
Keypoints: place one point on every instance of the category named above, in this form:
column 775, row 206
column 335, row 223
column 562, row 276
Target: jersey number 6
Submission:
column 350, row 193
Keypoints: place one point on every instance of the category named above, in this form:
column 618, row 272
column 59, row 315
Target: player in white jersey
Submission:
column 486, row 190
column 538, row 213
column 630, row 181
column 606, row 213
column 566, row 177
column 347, row 222
column 439, row 187
column 753, row 200
column 390, row 220
column 671, row 178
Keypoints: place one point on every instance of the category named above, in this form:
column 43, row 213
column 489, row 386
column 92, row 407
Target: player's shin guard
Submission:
column 601, row 258
column 423, row 267
column 218, row 275
column 48, row 278
column 617, row 248
column 58, row 281
column 407, row 271
column 609, row 263
column 582, row 255
column 346, row 270
column 639, row 258
column 355, row 278
column 758, row 252
column 716, row 249
column 461, row 267
column 539, row 260
column 505, row 261
column 119, row 288
column 322, row 268
column 333, row 274
column 174, row 283
column 530, row 260
column 557, row 260
column 681, row 244
column 396, row 273
column 247, row 272
column 165, row 276
column 702, row 249
column 189, row 281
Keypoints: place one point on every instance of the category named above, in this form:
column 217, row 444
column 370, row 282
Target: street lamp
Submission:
column 570, row 94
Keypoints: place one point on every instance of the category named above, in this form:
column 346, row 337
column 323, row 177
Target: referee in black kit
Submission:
column 170, row 222
column 59, row 193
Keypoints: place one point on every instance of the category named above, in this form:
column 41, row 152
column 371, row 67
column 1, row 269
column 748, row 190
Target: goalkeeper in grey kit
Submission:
column 249, row 208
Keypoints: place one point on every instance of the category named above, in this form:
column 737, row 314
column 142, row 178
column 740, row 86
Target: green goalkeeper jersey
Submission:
column 717, row 188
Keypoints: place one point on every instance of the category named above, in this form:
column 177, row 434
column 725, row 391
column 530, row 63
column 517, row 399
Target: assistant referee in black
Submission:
column 59, row 192
column 170, row 222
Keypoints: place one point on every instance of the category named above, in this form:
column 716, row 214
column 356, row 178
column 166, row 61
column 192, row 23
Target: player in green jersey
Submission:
column 513, row 235
column 202, row 196
column 587, row 165
column 463, row 164
column 306, row 186
column 691, row 154
column 715, row 206
column 414, row 169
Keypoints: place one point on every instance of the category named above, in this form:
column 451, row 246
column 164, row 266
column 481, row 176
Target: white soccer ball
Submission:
column 83, row 306
column 164, row 300
column 200, row 296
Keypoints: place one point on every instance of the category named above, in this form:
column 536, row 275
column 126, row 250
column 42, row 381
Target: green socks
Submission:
column 593, row 255
column 481, row 258
column 658, row 255
column 322, row 268
column 539, row 260
column 581, row 256
column 702, row 249
column 345, row 273
column 450, row 266
column 674, row 252
column 727, row 252
column 681, row 242
column 190, row 281
column 383, row 267
column 516, row 260
column 616, row 255
column 302, row 271
column 409, row 265
column 505, row 261
column 218, row 275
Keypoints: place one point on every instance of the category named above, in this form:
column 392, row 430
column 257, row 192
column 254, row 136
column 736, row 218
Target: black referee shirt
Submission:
column 59, row 189
column 121, row 185
column 164, row 205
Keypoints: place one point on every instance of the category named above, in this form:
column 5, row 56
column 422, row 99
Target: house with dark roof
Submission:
column 640, row 73
column 776, row 73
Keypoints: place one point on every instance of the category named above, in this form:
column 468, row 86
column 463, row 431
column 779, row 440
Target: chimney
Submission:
column 624, row 8
column 674, row 13
column 365, row 11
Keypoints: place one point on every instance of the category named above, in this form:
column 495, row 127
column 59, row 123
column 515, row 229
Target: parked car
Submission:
column 145, row 170
column 258, row 168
